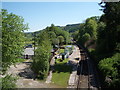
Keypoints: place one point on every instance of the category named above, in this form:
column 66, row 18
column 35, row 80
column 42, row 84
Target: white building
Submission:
column 28, row 53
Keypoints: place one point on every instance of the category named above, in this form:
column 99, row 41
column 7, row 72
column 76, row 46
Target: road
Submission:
column 25, row 77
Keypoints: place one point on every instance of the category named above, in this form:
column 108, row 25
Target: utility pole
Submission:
column 34, row 47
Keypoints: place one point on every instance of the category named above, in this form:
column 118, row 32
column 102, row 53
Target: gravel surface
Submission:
column 25, row 77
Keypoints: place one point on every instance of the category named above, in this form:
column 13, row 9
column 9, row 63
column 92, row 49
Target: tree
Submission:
column 54, row 32
column 101, row 38
column 40, row 63
column 12, row 38
column 91, row 27
column 55, row 41
column 111, row 18
column 75, row 35
column 88, row 31
column 108, row 43
column 61, row 39
column 86, row 37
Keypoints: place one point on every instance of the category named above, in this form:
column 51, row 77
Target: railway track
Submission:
column 83, row 71
column 86, row 74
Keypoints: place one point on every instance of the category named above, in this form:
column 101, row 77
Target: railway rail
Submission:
column 86, row 74
column 83, row 71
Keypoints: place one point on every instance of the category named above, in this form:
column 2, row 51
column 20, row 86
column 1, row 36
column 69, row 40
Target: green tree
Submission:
column 86, row 37
column 40, row 63
column 101, row 37
column 12, row 38
column 88, row 31
column 61, row 39
column 108, row 43
column 111, row 18
column 55, row 41
column 75, row 35
column 91, row 27
column 54, row 32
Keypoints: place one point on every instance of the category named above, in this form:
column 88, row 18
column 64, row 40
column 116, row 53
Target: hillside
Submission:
column 70, row 28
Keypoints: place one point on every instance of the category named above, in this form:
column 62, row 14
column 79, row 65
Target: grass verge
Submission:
column 61, row 51
column 61, row 73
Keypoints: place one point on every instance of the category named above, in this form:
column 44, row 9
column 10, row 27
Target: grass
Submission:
column 61, row 79
column 61, row 51
column 61, row 73
column 91, row 49
column 19, row 60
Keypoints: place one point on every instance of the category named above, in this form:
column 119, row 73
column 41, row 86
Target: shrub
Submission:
column 8, row 82
column 111, row 68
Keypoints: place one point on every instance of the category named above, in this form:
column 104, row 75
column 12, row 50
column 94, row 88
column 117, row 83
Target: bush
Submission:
column 110, row 67
column 41, row 63
column 8, row 82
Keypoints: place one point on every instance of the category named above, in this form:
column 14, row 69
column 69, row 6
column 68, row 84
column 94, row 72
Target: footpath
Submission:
column 26, row 76
column 52, row 62
column 48, row 80
column 74, row 59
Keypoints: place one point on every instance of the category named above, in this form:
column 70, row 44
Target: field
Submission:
column 61, row 73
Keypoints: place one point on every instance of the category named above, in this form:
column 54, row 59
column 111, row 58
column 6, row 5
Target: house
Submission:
column 28, row 53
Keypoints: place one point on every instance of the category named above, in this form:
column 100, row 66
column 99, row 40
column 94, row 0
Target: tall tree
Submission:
column 108, row 43
column 12, row 37
column 88, row 30
column 111, row 32
column 40, row 63
column 61, row 39
column 91, row 27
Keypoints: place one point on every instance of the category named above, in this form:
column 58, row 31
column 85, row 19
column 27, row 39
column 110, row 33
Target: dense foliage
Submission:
column 12, row 38
column 56, row 35
column 8, row 82
column 71, row 28
column 108, row 44
column 105, row 31
column 45, row 42
column 87, row 31
column 110, row 68
column 40, row 63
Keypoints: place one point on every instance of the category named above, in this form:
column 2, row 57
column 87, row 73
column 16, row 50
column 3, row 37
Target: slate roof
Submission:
column 28, row 51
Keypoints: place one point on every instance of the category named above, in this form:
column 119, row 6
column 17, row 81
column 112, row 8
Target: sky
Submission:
column 39, row 15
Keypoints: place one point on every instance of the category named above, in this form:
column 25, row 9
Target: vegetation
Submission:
column 40, row 63
column 104, row 33
column 12, row 38
column 29, row 38
column 109, row 35
column 71, row 28
column 12, row 45
column 100, row 32
column 61, row 69
column 87, row 32
column 8, row 82
column 110, row 67
column 47, row 40
column 61, row 51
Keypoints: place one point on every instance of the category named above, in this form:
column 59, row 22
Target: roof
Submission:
column 69, row 46
column 28, row 51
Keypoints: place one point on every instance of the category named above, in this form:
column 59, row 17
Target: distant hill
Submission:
column 70, row 28
column 31, row 34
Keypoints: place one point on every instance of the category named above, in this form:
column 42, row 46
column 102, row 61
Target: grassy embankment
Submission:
column 61, row 72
